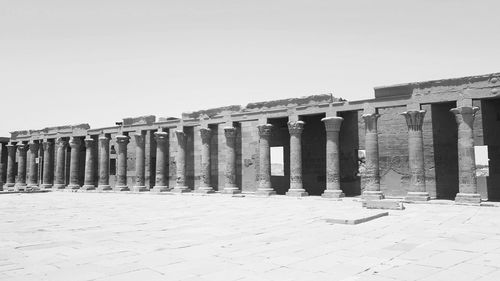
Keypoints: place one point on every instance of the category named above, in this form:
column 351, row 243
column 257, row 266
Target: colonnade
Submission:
column 54, row 171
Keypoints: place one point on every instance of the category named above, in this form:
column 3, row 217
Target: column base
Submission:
column 181, row 189
column 417, row 196
column 104, row 187
column 139, row 188
column 204, row 190
column 231, row 190
column 20, row 187
column 265, row 192
column 73, row 186
column 9, row 186
column 46, row 186
column 297, row 193
column 333, row 194
column 372, row 195
column 33, row 186
column 468, row 198
column 121, row 188
column 59, row 186
column 88, row 187
column 160, row 188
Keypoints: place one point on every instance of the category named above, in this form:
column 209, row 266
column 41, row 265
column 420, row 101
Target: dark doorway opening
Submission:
column 280, row 138
column 491, row 128
column 314, row 154
column 350, row 182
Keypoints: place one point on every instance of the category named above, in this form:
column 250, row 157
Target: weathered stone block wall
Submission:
column 393, row 151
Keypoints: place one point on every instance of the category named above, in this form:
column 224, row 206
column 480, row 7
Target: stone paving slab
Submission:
column 112, row 236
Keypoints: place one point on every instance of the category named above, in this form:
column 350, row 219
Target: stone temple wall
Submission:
column 412, row 140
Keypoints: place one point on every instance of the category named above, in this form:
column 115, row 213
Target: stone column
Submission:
column 121, row 166
column 103, row 164
column 417, row 190
column 74, row 163
column 332, row 127
column 21, row 167
column 11, row 165
column 33, row 167
column 371, row 175
column 180, row 186
column 48, row 164
column 90, row 162
column 264, row 187
column 295, row 129
column 466, row 157
column 230, row 167
column 205, row 135
column 140, row 163
column 59, row 177
column 161, row 183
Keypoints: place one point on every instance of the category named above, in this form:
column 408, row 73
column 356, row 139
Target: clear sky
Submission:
column 97, row 61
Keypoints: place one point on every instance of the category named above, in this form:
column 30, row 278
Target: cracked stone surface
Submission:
column 112, row 236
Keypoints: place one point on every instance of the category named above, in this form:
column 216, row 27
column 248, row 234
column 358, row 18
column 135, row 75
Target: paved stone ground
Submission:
column 95, row 236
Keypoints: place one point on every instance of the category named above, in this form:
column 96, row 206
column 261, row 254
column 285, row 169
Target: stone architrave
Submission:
column 295, row 129
column 74, row 163
column 161, row 183
column 121, row 166
column 230, row 167
column 21, row 167
column 205, row 187
column 90, row 162
column 140, row 163
column 180, row 186
column 33, row 167
column 466, row 157
column 48, row 164
column 371, row 174
column 103, row 164
column 59, row 176
column 417, row 190
column 11, row 163
column 264, row 187
column 332, row 127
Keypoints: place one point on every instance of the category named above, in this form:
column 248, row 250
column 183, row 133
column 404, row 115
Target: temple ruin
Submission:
column 415, row 140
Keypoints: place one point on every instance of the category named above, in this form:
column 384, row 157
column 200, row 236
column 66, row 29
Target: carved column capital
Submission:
column 21, row 147
column 332, row 124
column 230, row 132
column 205, row 135
column 33, row 146
column 61, row 142
column 75, row 142
column 122, row 139
column 89, row 142
column 465, row 114
column 414, row 119
column 265, row 130
column 295, row 128
column 371, row 121
column 47, row 144
column 161, row 137
column 140, row 139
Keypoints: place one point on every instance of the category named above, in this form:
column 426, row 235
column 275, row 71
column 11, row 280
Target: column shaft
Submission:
column 48, row 164
column 21, row 167
column 121, row 171
column 205, row 187
column 104, row 164
column 417, row 189
column 33, row 167
column 59, row 177
column 161, row 183
column 295, row 129
column 371, row 175
column 264, row 187
column 90, row 162
column 332, row 126
column 140, row 162
column 74, row 163
column 180, row 186
column 230, row 167
column 466, row 156
column 11, row 167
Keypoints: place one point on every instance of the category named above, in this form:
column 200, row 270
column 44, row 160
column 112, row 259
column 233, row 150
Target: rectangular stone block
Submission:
column 385, row 204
